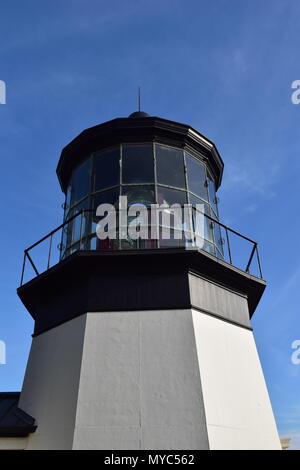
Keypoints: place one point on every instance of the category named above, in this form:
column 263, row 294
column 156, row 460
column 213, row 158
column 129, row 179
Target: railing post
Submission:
column 23, row 268
column 251, row 257
column 32, row 263
column 258, row 261
column 49, row 254
column 228, row 245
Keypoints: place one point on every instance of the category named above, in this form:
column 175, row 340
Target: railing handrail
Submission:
column 191, row 206
column 93, row 210
column 56, row 229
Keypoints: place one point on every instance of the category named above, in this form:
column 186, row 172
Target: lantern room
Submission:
column 151, row 161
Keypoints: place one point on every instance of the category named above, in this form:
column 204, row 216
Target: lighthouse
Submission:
column 142, row 342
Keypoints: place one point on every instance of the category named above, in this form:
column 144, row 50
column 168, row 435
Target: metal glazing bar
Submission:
column 80, row 238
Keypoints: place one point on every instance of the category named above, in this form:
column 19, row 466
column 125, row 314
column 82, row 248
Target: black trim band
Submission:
column 126, row 281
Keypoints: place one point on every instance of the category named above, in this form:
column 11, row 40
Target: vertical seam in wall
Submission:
column 79, row 378
column 202, row 395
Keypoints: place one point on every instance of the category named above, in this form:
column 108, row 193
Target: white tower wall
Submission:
column 162, row 379
column 237, row 406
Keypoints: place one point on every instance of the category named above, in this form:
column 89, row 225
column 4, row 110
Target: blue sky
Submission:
column 223, row 66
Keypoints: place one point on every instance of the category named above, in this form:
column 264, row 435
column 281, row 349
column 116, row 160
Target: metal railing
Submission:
column 223, row 248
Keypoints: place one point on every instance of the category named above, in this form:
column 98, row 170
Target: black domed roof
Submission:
column 138, row 127
column 138, row 114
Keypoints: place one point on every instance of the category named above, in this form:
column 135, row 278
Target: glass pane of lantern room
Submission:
column 139, row 195
column 196, row 177
column 105, row 197
column 170, row 196
column 202, row 208
column 106, row 169
column 80, row 222
column 81, row 182
column 137, row 164
column 135, row 195
column 68, row 201
column 170, row 166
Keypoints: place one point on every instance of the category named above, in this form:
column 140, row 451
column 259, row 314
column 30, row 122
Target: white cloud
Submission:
column 290, row 283
column 251, row 178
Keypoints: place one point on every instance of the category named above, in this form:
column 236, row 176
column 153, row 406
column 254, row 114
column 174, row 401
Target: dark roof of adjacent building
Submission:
column 14, row 422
